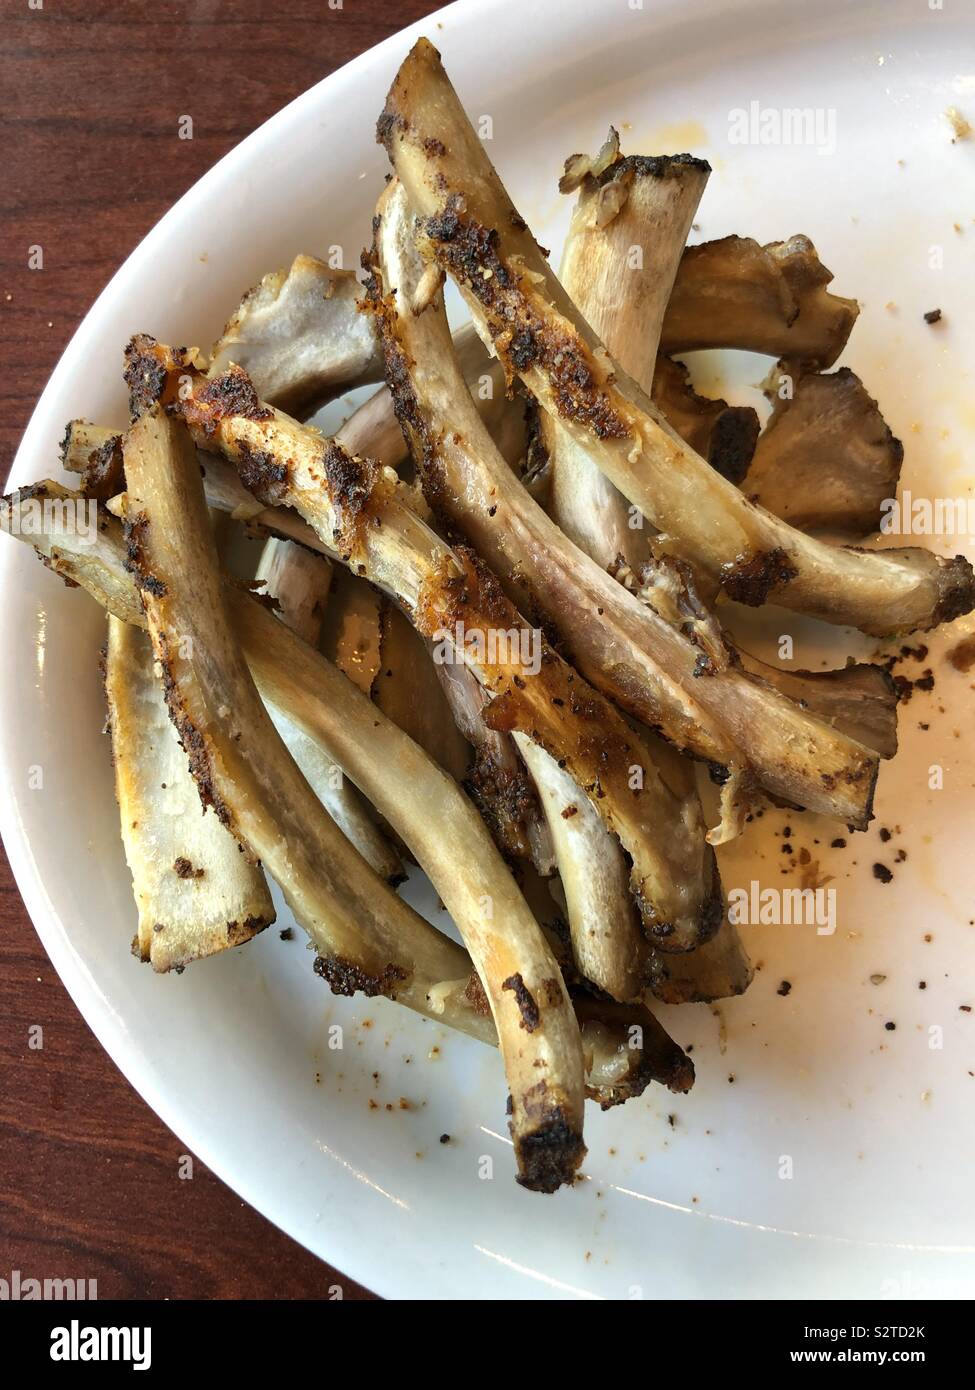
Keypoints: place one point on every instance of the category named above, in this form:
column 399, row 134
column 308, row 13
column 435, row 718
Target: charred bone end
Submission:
column 104, row 474
column 956, row 590
column 609, row 166
column 688, row 980
column 686, row 933
column 96, row 454
column 235, row 934
column 549, row 1153
column 862, row 779
column 712, row 913
column 230, row 394
column 654, row 166
column 152, row 372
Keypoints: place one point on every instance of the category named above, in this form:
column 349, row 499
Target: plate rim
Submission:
column 359, row 1260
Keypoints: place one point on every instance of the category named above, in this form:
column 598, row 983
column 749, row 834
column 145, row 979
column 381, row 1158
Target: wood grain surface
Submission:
column 90, row 93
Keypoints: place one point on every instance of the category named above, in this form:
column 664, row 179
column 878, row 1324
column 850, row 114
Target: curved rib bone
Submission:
column 427, row 810
column 465, row 477
column 475, row 234
column 606, row 944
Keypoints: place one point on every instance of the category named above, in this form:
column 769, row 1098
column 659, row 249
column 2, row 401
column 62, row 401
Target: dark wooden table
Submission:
column 90, row 91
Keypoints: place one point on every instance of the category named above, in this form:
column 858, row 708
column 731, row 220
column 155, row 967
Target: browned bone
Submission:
column 636, row 204
column 196, row 894
column 734, row 293
column 299, row 337
column 826, row 460
column 471, row 485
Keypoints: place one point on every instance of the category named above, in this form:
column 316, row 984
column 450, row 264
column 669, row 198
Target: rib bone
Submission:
column 299, row 336
column 734, row 293
column 195, row 892
column 465, row 477
column 299, row 582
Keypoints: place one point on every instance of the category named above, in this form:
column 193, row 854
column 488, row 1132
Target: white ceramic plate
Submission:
column 233, row 1055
